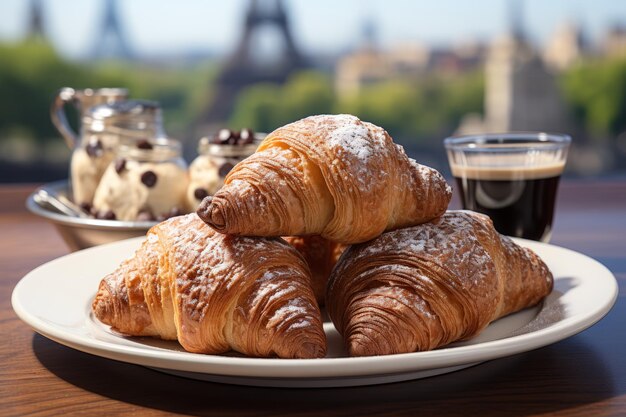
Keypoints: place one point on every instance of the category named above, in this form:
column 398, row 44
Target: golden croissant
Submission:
column 321, row 255
column 328, row 175
column 214, row 293
column 426, row 286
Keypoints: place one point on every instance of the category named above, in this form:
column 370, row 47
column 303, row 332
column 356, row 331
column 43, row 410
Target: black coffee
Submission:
column 518, row 207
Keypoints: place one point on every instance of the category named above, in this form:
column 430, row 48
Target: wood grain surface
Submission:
column 584, row 375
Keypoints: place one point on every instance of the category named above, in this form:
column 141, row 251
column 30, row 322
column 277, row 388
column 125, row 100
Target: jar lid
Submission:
column 126, row 108
column 206, row 147
column 150, row 150
column 108, row 92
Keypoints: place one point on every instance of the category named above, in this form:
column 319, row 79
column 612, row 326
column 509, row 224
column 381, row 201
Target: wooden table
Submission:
column 584, row 375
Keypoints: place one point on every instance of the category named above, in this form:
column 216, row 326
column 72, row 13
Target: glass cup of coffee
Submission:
column 511, row 177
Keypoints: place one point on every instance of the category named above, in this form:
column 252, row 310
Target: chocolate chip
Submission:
column 225, row 169
column 106, row 215
column 144, row 144
column 200, row 193
column 223, row 136
column 234, row 138
column 86, row 207
column 246, row 136
column 145, row 216
column 120, row 165
column 149, row 179
column 94, row 148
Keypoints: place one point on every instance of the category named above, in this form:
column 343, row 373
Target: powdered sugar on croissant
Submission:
column 214, row 293
column 329, row 175
column 426, row 286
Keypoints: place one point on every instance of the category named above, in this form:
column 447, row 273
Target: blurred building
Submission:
column 408, row 58
column 370, row 64
column 565, row 47
column 520, row 92
column 463, row 57
column 614, row 42
column 358, row 70
column 365, row 66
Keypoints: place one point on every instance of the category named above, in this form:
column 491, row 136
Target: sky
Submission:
column 319, row 26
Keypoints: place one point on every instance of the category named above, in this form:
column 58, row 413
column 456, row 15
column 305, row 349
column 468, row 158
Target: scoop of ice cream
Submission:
column 86, row 169
column 204, row 180
column 131, row 188
column 89, row 161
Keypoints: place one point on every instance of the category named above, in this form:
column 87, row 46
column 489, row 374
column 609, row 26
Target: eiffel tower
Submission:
column 110, row 41
column 241, row 70
column 516, row 20
column 35, row 21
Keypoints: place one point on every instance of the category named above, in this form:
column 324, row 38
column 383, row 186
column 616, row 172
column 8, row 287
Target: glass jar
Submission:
column 83, row 101
column 216, row 157
column 147, row 181
column 102, row 129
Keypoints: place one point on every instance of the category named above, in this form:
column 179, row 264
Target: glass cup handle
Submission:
column 57, row 114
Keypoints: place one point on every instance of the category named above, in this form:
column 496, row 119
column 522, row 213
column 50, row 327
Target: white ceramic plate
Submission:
column 55, row 300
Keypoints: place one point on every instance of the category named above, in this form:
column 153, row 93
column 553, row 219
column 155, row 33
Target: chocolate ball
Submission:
column 200, row 193
column 246, row 136
column 106, row 215
column 149, row 179
column 120, row 165
column 225, row 169
column 94, row 148
column 223, row 136
column 86, row 207
column 144, row 144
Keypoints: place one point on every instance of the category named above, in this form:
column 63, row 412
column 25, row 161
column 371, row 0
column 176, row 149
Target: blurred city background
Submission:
column 422, row 70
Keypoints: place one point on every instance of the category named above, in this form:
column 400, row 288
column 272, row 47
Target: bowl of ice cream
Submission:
column 144, row 182
column 80, row 232
column 120, row 191
column 217, row 155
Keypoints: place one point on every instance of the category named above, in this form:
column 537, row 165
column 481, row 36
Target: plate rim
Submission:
column 316, row 368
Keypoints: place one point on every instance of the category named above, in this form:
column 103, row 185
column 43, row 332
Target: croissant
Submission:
column 426, row 286
column 214, row 293
column 328, row 175
column 321, row 255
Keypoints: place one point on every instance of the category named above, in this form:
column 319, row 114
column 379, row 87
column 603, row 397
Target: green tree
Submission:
column 393, row 105
column 306, row 93
column 409, row 109
column 596, row 93
column 31, row 72
column 462, row 95
column 258, row 108
column 418, row 109
column 264, row 107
